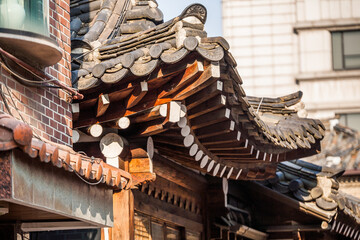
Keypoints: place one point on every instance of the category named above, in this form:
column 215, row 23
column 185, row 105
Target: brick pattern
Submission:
column 46, row 110
column 59, row 21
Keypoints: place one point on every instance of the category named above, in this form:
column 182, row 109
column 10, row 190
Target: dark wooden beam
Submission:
column 103, row 104
column 178, row 174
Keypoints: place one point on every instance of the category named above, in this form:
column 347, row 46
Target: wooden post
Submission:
column 123, row 210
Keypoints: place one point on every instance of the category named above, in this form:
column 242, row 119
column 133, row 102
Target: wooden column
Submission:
column 123, row 203
column 113, row 146
column 123, row 210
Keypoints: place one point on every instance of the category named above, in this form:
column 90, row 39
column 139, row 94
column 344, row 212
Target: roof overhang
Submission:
column 36, row 192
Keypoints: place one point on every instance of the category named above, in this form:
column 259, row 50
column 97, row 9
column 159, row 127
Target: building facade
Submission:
column 45, row 26
column 288, row 45
column 45, row 184
column 162, row 133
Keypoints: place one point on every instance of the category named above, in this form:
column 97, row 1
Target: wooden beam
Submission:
column 167, row 211
column 216, row 130
column 234, row 137
column 113, row 146
column 209, row 92
column 212, row 104
column 182, row 80
column 141, row 164
column 210, row 118
column 178, row 174
column 209, row 76
column 75, row 109
column 152, row 127
column 123, row 123
column 95, row 130
column 123, row 210
column 174, row 111
column 138, row 94
column 103, row 104
column 149, row 114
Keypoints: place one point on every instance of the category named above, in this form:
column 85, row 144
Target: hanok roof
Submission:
column 174, row 83
column 340, row 149
column 15, row 134
column 316, row 191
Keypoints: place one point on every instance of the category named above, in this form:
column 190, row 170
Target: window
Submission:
column 351, row 120
column 25, row 15
column 346, row 50
column 148, row 228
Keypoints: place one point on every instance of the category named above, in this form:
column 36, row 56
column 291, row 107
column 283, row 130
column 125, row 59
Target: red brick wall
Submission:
column 46, row 110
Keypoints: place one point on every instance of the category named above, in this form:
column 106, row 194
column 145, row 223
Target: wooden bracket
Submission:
column 138, row 94
column 103, row 104
column 141, row 164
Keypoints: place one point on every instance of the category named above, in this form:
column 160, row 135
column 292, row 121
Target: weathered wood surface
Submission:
column 141, row 163
column 112, row 146
column 217, row 119
column 166, row 211
column 175, row 64
column 95, row 130
column 103, row 104
column 123, row 205
column 178, row 174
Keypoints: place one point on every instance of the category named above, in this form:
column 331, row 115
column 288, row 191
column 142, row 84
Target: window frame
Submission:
column 342, row 48
column 30, row 24
column 165, row 225
column 346, row 119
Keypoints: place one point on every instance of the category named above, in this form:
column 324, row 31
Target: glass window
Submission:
column 157, row 231
column 192, row 236
column 142, row 226
column 149, row 228
column 172, row 233
column 346, row 50
column 25, row 15
column 351, row 120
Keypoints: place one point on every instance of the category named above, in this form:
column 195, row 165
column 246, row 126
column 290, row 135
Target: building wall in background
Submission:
column 261, row 37
column 46, row 110
column 282, row 46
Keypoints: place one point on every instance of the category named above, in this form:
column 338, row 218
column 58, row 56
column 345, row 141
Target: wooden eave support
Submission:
column 151, row 127
column 210, row 118
column 103, row 104
column 137, row 95
column 141, row 167
column 95, row 130
column 182, row 80
column 175, row 155
column 233, row 137
column 149, row 114
column 140, row 162
column 210, row 75
column 75, row 109
column 204, row 95
column 212, row 104
column 138, row 100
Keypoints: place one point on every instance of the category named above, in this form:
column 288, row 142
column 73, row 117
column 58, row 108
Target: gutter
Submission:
column 75, row 94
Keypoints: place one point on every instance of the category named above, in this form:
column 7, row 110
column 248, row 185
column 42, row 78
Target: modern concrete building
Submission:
column 282, row 46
